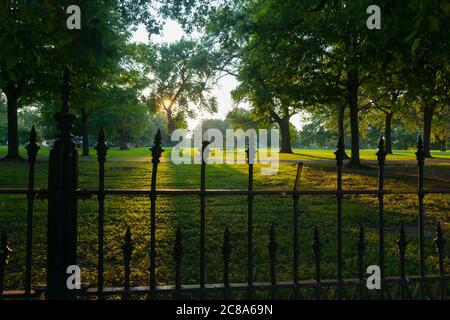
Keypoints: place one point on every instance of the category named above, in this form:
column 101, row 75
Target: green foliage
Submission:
column 179, row 77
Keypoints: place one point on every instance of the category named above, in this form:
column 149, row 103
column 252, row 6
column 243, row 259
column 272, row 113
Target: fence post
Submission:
column 62, row 202
column 102, row 150
column 296, row 198
column 202, row 211
column 340, row 154
column 250, row 161
column 420, row 155
column 32, row 150
column 156, row 154
column 381, row 157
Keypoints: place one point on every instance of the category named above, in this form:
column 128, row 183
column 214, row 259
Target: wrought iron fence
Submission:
column 63, row 192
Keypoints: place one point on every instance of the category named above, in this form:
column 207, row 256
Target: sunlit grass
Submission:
column 183, row 212
column 299, row 154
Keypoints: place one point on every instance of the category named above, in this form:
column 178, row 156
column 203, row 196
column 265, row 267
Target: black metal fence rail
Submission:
column 63, row 196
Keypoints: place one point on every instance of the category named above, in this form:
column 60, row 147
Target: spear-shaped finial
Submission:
column 420, row 154
column 101, row 146
column 32, row 147
column 381, row 154
column 251, row 150
column 340, row 152
column 205, row 153
column 156, row 149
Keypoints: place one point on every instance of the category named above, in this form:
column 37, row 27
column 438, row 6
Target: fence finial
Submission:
column 251, row 150
column 156, row 149
column 101, row 146
column 381, row 154
column 65, row 120
column 32, row 147
column 420, row 154
column 204, row 154
column 340, row 152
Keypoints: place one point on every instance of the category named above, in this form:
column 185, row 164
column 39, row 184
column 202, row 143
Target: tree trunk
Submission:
column 341, row 130
column 428, row 113
column 84, row 120
column 170, row 126
column 122, row 140
column 442, row 142
column 285, row 135
column 388, row 131
column 13, row 131
column 354, row 121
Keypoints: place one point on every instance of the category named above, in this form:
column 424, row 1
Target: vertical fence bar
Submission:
column 204, row 156
column 296, row 198
column 156, row 154
column 177, row 256
column 62, row 202
column 4, row 252
column 102, row 149
column 127, row 253
column 316, row 250
column 381, row 156
column 340, row 154
column 32, row 150
column 420, row 155
column 250, row 160
column 361, row 245
column 226, row 253
column 402, row 244
column 273, row 261
column 439, row 241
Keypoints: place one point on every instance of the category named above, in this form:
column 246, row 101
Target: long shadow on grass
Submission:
column 231, row 211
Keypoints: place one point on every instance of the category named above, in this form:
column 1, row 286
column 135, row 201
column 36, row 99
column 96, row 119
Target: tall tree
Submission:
column 180, row 77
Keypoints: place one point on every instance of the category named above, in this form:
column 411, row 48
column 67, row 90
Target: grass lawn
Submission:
column 231, row 211
column 299, row 154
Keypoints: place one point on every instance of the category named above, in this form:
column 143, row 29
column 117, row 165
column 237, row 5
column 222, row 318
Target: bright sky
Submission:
column 173, row 32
